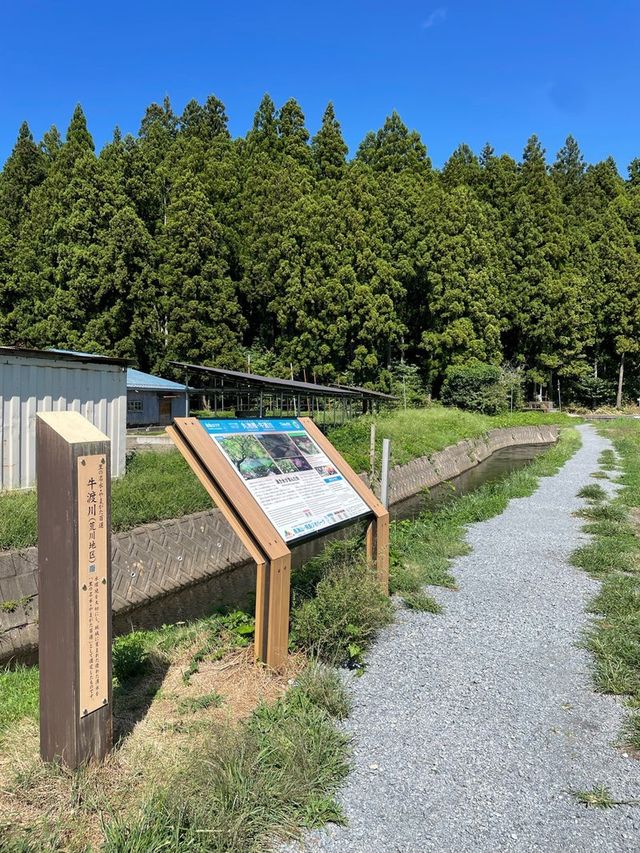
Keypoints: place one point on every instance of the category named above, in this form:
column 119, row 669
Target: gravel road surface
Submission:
column 470, row 728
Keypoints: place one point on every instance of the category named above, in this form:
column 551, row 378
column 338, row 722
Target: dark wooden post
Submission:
column 74, row 562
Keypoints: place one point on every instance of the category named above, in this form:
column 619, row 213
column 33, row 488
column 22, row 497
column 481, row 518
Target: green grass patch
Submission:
column 19, row 695
column 600, row 475
column 613, row 556
column 346, row 611
column 597, row 797
column 421, row 432
column 193, row 704
column 156, row 486
column 592, row 492
column 421, row 601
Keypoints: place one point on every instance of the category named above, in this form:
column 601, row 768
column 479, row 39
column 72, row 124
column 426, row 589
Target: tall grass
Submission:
column 420, row 432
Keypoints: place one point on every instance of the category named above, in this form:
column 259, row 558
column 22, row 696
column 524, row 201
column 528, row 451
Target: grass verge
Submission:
column 613, row 557
column 224, row 761
column 420, row 432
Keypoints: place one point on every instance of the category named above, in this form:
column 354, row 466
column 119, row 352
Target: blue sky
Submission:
column 455, row 70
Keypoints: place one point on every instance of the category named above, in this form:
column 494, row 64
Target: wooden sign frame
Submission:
column 261, row 539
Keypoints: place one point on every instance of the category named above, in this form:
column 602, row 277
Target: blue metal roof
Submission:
column 139, row 381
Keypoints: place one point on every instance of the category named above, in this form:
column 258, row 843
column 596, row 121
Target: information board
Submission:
column 297, row 486
column 92, row 583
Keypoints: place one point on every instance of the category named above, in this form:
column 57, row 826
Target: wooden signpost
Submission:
column 278, row 482
column 74, row 562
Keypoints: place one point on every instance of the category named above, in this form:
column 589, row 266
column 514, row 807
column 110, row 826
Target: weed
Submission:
column 130, row 656
column 600, row 475
column 342, row 618
column 592, row 492
column 192, row 704
column 421, row 601
column 598, row 796
column 323, row 686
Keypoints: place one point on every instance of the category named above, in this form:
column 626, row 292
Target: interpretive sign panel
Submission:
column 93, row 600
column 298, row 487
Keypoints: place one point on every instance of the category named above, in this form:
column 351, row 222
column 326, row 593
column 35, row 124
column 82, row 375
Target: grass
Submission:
column 338, row 605
column 156, row 486
column 18, row 695
column 613, row 556
column 421, row 432
column 421, row 601
column 592, row 492
column 228, row 761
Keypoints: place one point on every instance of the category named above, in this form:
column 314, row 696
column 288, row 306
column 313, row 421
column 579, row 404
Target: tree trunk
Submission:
column 620, row 381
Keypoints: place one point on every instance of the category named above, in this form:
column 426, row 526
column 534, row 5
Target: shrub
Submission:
column 341, row 620
column 476, row 386
column 130, row 656
column 323, row 686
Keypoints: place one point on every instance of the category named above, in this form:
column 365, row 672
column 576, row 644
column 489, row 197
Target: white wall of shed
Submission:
column 31, row 385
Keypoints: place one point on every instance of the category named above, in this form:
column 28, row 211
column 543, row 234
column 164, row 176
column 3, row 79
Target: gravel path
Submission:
column 470, row 727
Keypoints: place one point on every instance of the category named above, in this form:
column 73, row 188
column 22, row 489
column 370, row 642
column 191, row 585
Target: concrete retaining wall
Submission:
column 183, row 568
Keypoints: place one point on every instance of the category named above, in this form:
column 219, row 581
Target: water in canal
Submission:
column 491, row 470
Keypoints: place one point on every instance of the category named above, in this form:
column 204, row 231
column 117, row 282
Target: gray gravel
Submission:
column 471, row 727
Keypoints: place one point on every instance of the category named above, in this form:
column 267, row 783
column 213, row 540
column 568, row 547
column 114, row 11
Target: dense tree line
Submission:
column 183, row 243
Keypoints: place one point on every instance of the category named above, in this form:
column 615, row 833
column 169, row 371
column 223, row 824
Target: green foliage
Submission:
column 269, row 777
column 421, row 601
column 345, row 613
column 18, row 695
column 475, row 386
column 181, row 242
column 130, row 656
column 593, row 492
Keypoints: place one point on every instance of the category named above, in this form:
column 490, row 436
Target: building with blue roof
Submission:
column 152, row 400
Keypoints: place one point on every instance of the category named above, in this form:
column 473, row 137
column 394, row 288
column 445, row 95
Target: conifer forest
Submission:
column 277, row 252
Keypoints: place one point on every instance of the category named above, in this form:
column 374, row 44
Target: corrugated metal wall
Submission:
column 30, row 385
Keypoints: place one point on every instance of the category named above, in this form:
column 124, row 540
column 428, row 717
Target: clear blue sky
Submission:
column 455, row 70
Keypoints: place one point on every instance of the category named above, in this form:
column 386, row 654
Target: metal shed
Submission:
column 153, row 400
column 34, row 381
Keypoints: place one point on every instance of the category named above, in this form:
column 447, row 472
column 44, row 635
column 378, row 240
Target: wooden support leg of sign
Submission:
column 377, row 545
column 272, row 576
column 74, row 562
column 377, row 539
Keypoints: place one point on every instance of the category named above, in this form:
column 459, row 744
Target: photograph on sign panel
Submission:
column 326, row 470
column 279, row 446
column 306, row 445
column 289, row 466
column 249, row 457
